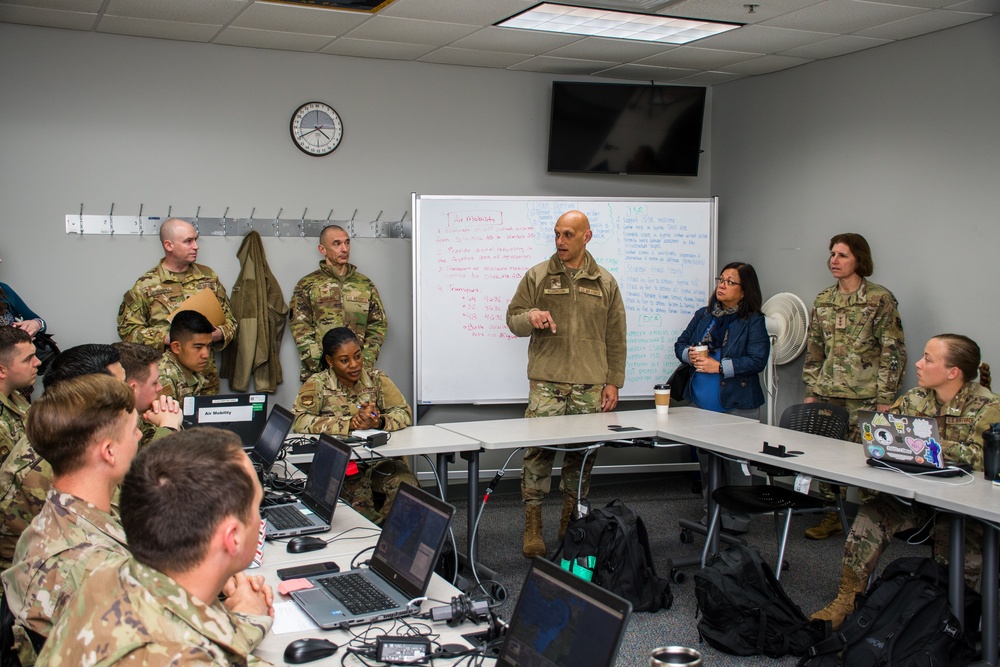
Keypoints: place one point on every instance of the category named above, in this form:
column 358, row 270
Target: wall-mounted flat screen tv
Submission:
column 625, row 128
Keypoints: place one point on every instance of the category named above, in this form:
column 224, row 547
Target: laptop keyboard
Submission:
column 287, row 516
column 358, row 594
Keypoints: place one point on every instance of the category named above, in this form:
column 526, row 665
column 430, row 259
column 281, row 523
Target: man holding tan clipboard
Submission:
column 177, row 283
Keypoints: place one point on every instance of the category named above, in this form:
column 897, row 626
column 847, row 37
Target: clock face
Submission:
column 316, row 129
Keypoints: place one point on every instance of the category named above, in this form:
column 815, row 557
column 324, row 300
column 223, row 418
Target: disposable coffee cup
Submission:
column 701, row 350
column 991, row 452
column 661, row 395
column 674, row 656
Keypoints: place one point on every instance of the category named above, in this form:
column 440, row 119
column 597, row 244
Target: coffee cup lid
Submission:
column 661, row 387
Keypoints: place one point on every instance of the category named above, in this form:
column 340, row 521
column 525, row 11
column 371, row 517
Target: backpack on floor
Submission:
column 610, row 547
column 745, row 611
column 904, row 620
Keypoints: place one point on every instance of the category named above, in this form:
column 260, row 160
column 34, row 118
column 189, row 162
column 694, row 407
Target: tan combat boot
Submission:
column 568, row 510
column 828, row 527
column 533, row 545
column 850, row 586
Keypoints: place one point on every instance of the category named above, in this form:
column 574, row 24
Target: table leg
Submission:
column 956, row 566
column 991, row 575
column 442, row 465
column 473, row 484
column 714, row 479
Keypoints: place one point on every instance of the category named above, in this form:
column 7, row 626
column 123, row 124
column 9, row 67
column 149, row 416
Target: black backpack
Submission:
column 904, row 620
column 745, row 611
column 610, row 547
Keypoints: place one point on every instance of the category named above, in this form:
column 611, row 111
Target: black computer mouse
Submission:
column 307, row 650
column 304, row 543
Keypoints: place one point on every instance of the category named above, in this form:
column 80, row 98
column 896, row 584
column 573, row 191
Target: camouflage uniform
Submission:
column 569, row 369
column 324, row 405
column 179, row 382
column 131, row 614
column 25, row 478
column 855, row 355
column 962, row 423
column 12, row 411
column 152, row 432
column 142, row 317
column 324, row 300
column 69, row 539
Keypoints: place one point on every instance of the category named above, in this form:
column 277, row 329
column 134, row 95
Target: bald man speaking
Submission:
column 573, row 312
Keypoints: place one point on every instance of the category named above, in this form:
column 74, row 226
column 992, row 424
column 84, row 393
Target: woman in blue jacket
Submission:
column 727, row 378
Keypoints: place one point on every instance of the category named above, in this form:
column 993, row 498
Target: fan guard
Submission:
column 787, row 319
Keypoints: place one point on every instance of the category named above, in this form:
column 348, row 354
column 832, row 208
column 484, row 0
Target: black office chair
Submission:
column 817, row 418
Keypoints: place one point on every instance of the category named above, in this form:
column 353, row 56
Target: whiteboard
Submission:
column 470, row 253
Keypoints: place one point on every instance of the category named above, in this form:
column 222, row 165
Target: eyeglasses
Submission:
column 727, row 281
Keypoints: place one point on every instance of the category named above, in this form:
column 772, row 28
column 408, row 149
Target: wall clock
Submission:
column 316, row 129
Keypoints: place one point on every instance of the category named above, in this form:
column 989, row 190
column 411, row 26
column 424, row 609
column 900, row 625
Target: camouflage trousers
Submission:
column 852, row 406
column 877, row 521
column 552, row 399
column 382, row 477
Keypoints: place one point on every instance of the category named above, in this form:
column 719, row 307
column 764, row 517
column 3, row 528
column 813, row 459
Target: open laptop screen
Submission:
column 243, row 414
column 272, row 438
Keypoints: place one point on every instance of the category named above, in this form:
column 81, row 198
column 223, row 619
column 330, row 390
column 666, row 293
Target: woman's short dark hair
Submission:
column 964, row 354
column 177, row 492
column 858, row 245
column 752, row 299
column 334, row 338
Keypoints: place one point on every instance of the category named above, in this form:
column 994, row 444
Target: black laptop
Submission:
column 243, row 414
column 313, row 511
column 272, row 438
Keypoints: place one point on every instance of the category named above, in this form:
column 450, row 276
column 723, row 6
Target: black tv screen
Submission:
column 625, row 128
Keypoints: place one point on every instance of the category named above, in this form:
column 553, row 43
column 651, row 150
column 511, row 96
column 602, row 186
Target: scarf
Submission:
column 715, row 336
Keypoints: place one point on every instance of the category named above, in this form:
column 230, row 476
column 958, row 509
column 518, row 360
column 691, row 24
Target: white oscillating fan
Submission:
column 787, row 320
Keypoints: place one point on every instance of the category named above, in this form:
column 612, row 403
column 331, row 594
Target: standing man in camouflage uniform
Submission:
column 574, row 313
column 18, row 369
column 964, row 409
column 856, row 355
column 184, row 365
column 25, row 477
column 86, row 429
column 335, row 295
column 160, row 415
column 163, row 602
column 144, row 314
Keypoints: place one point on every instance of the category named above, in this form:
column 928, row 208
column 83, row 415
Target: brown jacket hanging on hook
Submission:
column 260, row 311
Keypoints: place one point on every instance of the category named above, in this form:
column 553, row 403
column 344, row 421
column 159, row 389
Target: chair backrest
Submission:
column 824, row 419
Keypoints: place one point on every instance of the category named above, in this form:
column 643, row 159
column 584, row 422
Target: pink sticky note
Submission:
column 286, row 587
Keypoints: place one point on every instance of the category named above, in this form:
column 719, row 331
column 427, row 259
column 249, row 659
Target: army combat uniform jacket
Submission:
column 324, row 405
column 143, row 315
column 179, row 382
column 131, row 614
column 25, row 480
column 589, row 344
column 855, row 347
column 324, row 300
column 67, row 541
column 12, row 411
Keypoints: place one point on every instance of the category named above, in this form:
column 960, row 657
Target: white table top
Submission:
column 410, row 441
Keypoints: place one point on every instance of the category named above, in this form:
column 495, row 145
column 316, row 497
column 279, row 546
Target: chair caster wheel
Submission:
column 696, row 488
column 686, row 537
column 677, row 576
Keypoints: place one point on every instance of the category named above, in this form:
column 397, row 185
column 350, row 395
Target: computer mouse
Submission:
column 304, row 543
column 307, row 650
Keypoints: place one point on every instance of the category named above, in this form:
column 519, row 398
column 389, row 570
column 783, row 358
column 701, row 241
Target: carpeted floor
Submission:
column 811, row 580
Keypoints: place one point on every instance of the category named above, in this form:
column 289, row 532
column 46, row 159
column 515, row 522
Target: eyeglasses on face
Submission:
column 726, row 281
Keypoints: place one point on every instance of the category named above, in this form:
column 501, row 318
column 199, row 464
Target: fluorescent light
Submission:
column 567, row 19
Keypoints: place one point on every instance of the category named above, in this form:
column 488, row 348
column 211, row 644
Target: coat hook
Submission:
column 170, row 209
column 111, row 219
column 302, row 224
column 81, row 218
column 140, row 219
column 351, row 234
column 277, row 230
column 197, row 216
column 328, row 215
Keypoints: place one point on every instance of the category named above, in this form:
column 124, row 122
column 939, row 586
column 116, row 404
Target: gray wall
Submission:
column 900, row 143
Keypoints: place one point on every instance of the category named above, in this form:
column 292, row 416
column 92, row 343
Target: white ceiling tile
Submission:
column 514, row 41
column 935, row 19
column 298, row 19
column 215, row 12
column 709, row 78
column 411, row 31
column 985, row 6
column 270, row 39
column 560, row 65
column 766, row 64
column 456, row 11
column 842, row 16
column 762, row 39
column 835, row 46
column 598, row 48
column 187, row 32
column 734, row 11
column 643, row 73
column 364, row 48
column 47, row 17
column 471, row 58
column 696, row 58
column 92, row 6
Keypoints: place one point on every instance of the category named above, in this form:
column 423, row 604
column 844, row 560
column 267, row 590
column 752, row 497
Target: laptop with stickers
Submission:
column 907, row 443
column 313, row 512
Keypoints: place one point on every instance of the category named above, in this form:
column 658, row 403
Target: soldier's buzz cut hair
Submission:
column 81, row 360
column 864, row 264
column 177, row 492
column 72, row 414
column 10, row 338
column 189, row 323
column 136, row 360
column 331, row 228
column 168, row 230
